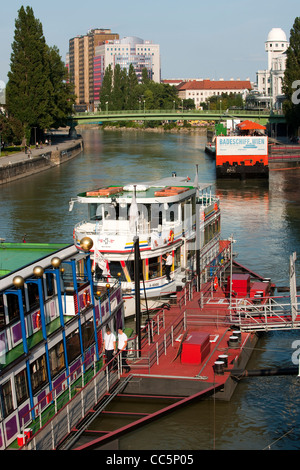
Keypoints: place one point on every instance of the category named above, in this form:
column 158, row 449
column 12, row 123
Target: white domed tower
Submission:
column 275, row 45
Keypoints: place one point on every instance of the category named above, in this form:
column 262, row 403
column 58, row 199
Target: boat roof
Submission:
column 14, row 256
column 144, row 190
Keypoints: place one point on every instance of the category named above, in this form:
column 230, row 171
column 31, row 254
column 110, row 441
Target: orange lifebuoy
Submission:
column 216, row 284
column 171, row 236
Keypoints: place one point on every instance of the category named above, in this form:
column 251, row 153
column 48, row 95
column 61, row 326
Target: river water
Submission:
column 263, row 217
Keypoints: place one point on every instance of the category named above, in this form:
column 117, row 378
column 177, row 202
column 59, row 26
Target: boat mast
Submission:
column 198, row 268
column 136, row 243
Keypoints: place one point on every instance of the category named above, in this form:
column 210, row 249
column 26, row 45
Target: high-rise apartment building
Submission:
column 129, row 50
column 81, row 64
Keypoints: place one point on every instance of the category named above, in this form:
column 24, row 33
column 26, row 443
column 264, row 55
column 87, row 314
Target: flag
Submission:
column 101, row 262
column 133, row 214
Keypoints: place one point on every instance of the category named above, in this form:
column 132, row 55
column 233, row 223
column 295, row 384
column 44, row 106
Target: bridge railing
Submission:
column 178, row 112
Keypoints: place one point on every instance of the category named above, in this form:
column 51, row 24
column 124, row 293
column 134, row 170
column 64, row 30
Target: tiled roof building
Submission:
column 202, row 90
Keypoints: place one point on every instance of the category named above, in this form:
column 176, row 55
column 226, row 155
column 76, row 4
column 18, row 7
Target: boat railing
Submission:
column 155, row 339
column 67, row 404
column 263, row 313
column 122, row 227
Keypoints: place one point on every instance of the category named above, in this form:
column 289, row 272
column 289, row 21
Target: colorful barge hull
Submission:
column 51, row 326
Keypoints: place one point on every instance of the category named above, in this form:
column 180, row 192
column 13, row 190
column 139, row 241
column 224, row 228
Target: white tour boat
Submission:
column 166, row 216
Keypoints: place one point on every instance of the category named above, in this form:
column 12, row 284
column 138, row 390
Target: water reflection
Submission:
column 264, row 218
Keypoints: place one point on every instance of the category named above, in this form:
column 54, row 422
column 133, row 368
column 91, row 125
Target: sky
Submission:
column 198, row 39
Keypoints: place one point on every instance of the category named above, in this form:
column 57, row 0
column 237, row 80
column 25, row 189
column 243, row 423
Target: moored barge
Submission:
column 51, row 329
column 244, row 154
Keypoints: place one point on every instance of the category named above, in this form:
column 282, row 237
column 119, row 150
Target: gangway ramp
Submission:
column 106, row 437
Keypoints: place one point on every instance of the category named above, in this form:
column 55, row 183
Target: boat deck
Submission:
column 191, row 338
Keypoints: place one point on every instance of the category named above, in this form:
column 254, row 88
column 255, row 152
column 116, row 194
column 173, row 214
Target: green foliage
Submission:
column 292, row 75
column 36, row 93
column 11, row 130
column 107, row 87
column 121, row 91
column 224, row 101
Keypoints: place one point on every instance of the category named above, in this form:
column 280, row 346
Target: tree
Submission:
column 119, row 92
column 132, row 98
column 62, row 92
column 106, row 88
column 11, row 130
column 29, row 86
column 37, row 92
column 291, row 81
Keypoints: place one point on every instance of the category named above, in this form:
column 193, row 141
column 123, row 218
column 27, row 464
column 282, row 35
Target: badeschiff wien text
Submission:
column 239, row 140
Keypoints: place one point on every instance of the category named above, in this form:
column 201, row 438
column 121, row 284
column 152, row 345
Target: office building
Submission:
column 129, row 50
column 81, row 64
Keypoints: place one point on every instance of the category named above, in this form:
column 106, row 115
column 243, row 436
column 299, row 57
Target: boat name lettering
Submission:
column 237, row 141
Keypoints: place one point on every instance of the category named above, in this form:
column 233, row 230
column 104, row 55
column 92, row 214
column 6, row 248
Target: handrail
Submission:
column 178, row 111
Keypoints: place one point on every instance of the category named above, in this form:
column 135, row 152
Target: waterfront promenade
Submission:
column 20, row 164
column 59, row 141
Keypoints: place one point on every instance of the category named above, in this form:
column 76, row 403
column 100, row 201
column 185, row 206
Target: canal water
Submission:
column 264, row 219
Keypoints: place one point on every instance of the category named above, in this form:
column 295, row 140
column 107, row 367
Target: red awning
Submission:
column 250, row 125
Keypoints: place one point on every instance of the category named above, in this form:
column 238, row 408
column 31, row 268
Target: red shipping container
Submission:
column 195, row 348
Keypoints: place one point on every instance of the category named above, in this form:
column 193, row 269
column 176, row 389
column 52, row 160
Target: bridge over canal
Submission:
column 99, row 117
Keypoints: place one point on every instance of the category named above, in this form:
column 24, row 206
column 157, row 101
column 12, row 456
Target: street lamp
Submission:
column 106, row 103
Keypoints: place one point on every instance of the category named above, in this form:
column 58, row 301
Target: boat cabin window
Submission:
column 57, row 359
column 13, row 307
column 67, row 277
column 73, row 346
column 2, row 314
column 33, row 295
column 50, row 284
column 7, row 399
column 172, row 212
column 88, row 333
column 130, row 268
column 95, row 211
column 38, row 373
column 115, row 268
column 21, row 386
column 176, row 258
column 154, row 267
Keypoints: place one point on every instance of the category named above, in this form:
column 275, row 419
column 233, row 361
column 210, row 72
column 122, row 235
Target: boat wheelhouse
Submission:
column 171, row 215
column 51, row 329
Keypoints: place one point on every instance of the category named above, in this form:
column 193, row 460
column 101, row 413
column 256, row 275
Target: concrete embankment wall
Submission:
column 48, row 158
